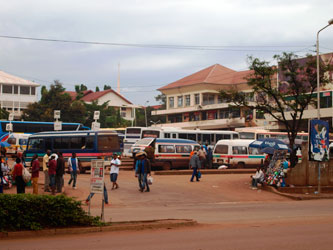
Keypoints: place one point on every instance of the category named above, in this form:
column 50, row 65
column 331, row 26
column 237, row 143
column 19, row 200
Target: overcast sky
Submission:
column 245, row 27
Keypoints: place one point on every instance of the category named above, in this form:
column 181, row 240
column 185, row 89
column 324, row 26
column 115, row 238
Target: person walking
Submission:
column 143, row 169
column 209, row 158
column 52, row 173
column 73, row 166
column 46, row 159
column 195, row 164
column 17, row 176
column 60, row 171
column 114, row 171
column 35, row 173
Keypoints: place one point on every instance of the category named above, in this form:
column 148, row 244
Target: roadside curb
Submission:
column 116, row 226
column 297, row 196
column 206, row 171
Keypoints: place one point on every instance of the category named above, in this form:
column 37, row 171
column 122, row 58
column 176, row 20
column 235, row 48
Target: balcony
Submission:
column 189, row 109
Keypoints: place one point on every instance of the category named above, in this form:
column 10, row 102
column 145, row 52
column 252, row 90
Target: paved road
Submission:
column 231, row 216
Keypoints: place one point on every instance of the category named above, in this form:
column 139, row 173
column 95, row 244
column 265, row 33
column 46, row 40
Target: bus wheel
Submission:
column 166, row 166
column 240, row 165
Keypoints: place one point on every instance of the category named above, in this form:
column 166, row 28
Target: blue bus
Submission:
column 88, row 145
column 28, row 127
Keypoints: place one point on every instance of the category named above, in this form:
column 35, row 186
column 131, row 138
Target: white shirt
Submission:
column 115, row 168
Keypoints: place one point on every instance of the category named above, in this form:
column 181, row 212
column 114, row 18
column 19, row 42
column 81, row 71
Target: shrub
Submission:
column 33, row 212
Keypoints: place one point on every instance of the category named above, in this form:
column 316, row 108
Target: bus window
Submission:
column 260, row 136
column 78, row 143
column 133, row 130
column 11, row 140
column 48, row 143
column 167, row 135
column 239, row 150
column 174, row 135
column 183, row 148
column 221, row 149
column 219, row 137
column 108, row 143
column 166, row 149
column 247, row 135
column 23, row 141
column 199, row 138
column 254, row 151
column 227, row 136
column 150, row 134
column 235, row 136
column 61, row 143
column 36, row 144
column 206, row 139
column 89, row 142
column 182, row 136
column 192, row 137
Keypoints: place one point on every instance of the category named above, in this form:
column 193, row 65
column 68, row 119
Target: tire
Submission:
column 167, row 166
column 240, row 165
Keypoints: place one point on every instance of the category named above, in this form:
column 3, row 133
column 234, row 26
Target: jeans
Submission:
column 35, row 185
column 73, row 178
column 52, row 180
column 143, row 181
column 195, row 173
column 20, row 185
column 105, row 192
column 46, row 180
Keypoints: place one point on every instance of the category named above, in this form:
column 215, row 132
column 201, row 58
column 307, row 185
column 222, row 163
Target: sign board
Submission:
column 57, row 126
column 9, row 127
column 96, row 115
column 57, row 114
column 95, row 126
column 319, row 140
column 97, row 177
column 11, row 117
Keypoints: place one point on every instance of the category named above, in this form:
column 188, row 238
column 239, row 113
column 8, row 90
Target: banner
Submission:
column 97, row 177
column 319, row 141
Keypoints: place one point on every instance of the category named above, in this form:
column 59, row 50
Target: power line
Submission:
column 164, row 46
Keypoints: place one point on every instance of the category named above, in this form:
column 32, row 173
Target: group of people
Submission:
column 205, row 155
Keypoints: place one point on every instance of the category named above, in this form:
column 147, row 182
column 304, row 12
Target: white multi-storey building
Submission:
column 16, row 93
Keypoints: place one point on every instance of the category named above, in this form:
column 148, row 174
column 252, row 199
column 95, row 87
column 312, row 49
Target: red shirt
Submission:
column 52, row 167
column 35, row 169
column 18, row 168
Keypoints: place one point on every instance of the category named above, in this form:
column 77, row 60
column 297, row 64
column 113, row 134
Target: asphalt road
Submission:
column 231, row 216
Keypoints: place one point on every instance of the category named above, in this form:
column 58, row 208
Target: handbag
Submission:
column 150, row 180
column 199, row 174
column 26, row 175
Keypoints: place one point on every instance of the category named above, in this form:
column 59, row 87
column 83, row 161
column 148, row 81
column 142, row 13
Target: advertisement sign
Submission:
column 97, row 177
column 319, row 141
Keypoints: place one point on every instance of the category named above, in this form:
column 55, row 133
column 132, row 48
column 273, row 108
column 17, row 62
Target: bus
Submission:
column 88, row 145
column 255, row 134
column 132, row 135
column 28, row 127
column 18, row 143
column 210, row 137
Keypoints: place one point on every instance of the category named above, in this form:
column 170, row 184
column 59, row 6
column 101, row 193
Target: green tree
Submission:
column 97, row 89
column 106, row 87
column 4, row 114
column 294, row 94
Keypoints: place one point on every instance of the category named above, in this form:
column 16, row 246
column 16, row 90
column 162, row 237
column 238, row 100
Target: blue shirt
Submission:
column 74, row 167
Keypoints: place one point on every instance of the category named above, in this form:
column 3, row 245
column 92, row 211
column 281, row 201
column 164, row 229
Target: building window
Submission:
column 7, row 89
column 33, row 90
column 326, row 100
column 123, row 108
column 175, row 118
column 123, row 114
column 187, row 100
column 208, row 99
column 197, row 99
column 260, row 114
column 180, row 101
column 224, row 114
column 15, row 89
column 24, row 90
column 171, row 102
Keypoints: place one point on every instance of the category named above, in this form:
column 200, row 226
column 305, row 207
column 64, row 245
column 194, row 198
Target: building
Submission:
column 114, row 99
column 194, row 102
column 16, row 93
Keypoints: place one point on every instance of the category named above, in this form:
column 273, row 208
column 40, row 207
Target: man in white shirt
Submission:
column 114, row 171
column 257, row 178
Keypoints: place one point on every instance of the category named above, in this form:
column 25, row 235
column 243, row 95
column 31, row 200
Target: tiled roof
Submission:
column 96, row 95
column 215, row 74
column 10, row 79
column 73, row 94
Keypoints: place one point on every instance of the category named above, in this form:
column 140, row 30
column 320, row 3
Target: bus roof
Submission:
column 235, row 142
column 64, row 133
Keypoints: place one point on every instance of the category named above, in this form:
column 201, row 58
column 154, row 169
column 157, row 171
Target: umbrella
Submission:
column 4, row 144
column 269, row 145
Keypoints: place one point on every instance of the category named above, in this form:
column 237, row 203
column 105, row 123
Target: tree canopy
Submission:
column 285, row 100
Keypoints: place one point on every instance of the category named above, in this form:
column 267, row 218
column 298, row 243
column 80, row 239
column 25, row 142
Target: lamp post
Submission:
column 146, row 111
column 330, row 22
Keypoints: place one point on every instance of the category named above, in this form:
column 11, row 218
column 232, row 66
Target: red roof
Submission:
column 96, row 95
column 215, row 74
column 73, row 94
column 156, row 106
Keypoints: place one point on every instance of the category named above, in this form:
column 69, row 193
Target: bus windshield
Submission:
column 150, row 133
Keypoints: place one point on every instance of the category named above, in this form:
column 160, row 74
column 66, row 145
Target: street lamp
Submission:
column 330, row 22
column 146, row 111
